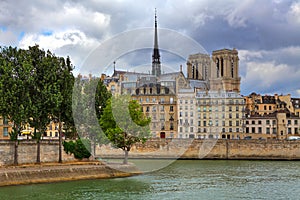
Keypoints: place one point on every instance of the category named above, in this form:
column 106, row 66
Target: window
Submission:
column 162, row 108
column 147, row 99
column 274, row 131
column 5, row 131
column 296, row 122
column 162, row 100
column 289, row 122
column 253, row 122
column 171, row 100
column 180, row 129
column 237, row 123
column 259, row 122
column 230, row 123
column 237, row 130
column 154, row 109
column 268, row 122
column 237, row 115
column 192, row 129
column 237, row 108
column 153, row 100
column 171, row 108
column 247, row 129
column 192, row 122
column 5, row 121
column 253, row 129
column 230, row 130
column 147, row 109
column 289, row 130
column 199, row 123
column 259, row 130
column 268, row 130
column 274, row 122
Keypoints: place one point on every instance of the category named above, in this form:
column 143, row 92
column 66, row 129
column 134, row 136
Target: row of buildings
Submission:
column 206, row 103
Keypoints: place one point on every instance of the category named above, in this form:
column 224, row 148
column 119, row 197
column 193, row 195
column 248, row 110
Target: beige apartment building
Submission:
column 277, row 125
column 5, row 128
column 159, row 103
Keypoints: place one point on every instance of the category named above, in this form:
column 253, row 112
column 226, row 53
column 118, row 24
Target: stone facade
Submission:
column 27, row 152
column 209, row 149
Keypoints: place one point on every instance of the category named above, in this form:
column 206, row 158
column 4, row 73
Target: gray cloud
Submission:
column 266, row 32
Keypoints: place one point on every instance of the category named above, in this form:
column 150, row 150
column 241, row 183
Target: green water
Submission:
column 181, row 180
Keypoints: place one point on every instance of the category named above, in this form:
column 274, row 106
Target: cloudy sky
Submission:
column 265, row 32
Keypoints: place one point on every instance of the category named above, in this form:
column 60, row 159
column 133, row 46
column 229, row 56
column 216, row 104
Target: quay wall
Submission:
column 27, row 152
column 209, row 149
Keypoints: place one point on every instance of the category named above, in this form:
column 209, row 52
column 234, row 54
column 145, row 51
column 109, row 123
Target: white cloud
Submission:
column 294, row 13
column 73, row 43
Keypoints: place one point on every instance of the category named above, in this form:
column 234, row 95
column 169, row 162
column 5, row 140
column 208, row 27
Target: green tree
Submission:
column 15, row 81
column 62, row 110
column 89, row 99
column 42, row 89
column 124, row 123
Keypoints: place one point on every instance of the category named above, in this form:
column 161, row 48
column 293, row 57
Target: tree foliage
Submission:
column 81, row 148
column 89, row 99
column 124, row 123
column 36, row 87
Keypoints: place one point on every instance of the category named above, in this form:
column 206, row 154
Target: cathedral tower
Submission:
column 156, row 66
column 225, row 71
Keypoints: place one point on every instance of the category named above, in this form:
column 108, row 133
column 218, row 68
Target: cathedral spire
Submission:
column 156, row 67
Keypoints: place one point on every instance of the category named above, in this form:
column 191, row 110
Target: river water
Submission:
column 183, row 179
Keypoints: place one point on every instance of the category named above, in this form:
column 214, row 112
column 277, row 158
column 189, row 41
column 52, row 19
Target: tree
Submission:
column 124, row 123
column 15, row 81
column 89, row 99
column 42, row 89
column 62, row 110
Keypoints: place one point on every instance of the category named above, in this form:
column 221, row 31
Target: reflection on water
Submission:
column 181, row 180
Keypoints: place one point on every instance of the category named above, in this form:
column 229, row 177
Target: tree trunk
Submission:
column 38, row 149
column 60, row 142
column 38, row 152
column 16, row 152
column 125, row 162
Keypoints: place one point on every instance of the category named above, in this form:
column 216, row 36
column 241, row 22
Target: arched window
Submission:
column 218, row 67
column 222, row 67
column 232, row 67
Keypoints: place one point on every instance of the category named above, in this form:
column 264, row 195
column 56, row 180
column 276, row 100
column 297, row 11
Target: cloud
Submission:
column 73, row 43
column 275, row 71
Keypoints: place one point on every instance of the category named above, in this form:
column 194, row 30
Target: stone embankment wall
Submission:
column 65, row 172
column 209, row 149
column 27, row 151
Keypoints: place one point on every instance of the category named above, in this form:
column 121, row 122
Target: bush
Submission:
column 81, row 148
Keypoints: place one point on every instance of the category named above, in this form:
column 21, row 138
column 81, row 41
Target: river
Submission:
column 183, row 179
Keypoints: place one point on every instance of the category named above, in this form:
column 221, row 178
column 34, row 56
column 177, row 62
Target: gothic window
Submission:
column 218, row 67
column 232, row 68
column 197, row 71
column 222, row 67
